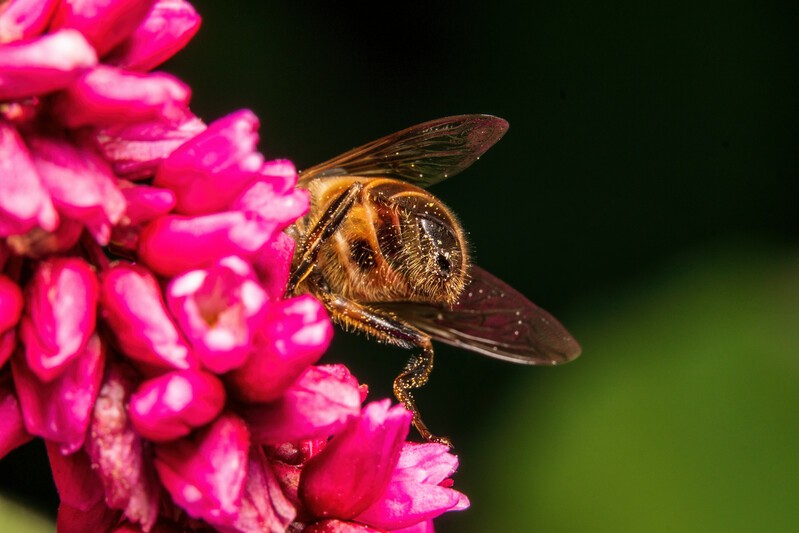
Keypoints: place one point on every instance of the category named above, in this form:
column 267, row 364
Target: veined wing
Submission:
column 423, row 155
column 494, row 319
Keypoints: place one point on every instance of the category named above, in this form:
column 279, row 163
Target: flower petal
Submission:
column 118, row 453
column 105, row 96
column 135, row 150
column 205, row 472
column 81, row 184
column 340, row 526
column 98, row 518
column 77, row 483
column 273, row 264
column 211, row 169
column 174, row 244
column 218, row 309
column 169, row 25
column 8, row 343
column 38, row 242
column 60, row 316
column 105, row 23
column 24, row 201
column 406, row 503
column 264, row 507
column 280, row 173
column 353, row 471
column 144, row 203
column 134, row 309
column 421, row 527
column 173, row 404
column 43, row 65
column 295, row 333
column 23, row 19
column 282, row 208
column 417, row 492
column 428, row 462
column 317, row 405
column 61, row 410
column 12, row 427
column 11, row 303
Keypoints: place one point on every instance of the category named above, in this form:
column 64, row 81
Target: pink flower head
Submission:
column 60, row 410
column 219, row 310
column 351, row 473
column 173, row 404
column 133, row 306
column 419, row 489
column 145, row 331
column 61, row 313
column 205, row 474
column 294, row 334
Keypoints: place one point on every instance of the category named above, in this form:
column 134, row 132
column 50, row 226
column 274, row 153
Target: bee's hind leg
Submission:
column 389, row 329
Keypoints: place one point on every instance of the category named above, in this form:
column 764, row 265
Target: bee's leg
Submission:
column 387, row 328
column 327, row 224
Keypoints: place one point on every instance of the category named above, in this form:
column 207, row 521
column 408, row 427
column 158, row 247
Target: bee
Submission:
column 390, row 260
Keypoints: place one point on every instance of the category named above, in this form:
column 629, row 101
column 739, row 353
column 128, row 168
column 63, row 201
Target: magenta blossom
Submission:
column 145, row 333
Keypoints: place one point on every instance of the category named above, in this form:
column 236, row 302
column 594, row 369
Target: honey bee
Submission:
column 389, row 259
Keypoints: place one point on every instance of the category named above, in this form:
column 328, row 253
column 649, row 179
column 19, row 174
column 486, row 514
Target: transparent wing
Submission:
column 423, row 154
column 494, row 319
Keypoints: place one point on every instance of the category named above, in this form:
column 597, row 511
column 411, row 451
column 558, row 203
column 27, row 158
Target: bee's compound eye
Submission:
column 441, row 243
column 444, row 263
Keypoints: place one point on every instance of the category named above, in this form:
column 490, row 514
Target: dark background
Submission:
column 649, row 141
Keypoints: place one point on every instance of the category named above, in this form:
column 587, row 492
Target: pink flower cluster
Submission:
column 144, row 333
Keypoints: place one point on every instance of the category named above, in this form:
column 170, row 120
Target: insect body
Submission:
column 387, row 258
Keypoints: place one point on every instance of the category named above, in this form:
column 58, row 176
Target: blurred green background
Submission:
column 645, row 194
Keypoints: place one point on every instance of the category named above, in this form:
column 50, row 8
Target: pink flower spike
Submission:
column 105, row 23
column 61, row 315
column 318, row 405
column 11, row 303
column 118, row 453
column 264, row 507
column 172, row 244
column 169, row 25
column 134, row 309
column 60, row 410
column 43, row 65
column 211, row 169
column 144, row 203
column 81, row 184
column 23, row 19
column 173, row 404
column 353, row 471
column 135, row 150
column 12, row 427
column 76, row 481
column 205, row 472
column 273, row 264
column 218, row 309
column 106, row 96
column 295, row 333
column 418, row 491
column 24, row 201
